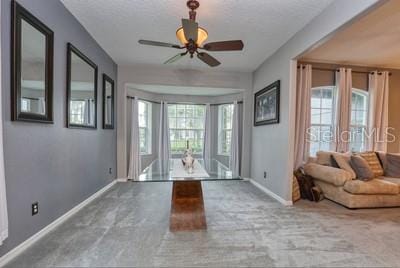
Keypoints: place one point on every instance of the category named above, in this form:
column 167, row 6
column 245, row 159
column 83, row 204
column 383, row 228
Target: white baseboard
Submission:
column 34, row 238
column 122, row 180
column 271, row 194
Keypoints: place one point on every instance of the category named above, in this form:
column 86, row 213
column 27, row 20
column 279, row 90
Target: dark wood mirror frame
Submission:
column 71, row 49
column 106, row 79
column 18, row 14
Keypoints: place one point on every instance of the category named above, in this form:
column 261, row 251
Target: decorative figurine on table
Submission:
column 188, row 159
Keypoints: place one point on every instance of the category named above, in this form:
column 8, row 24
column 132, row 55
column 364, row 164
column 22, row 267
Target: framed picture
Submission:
column 266, row 105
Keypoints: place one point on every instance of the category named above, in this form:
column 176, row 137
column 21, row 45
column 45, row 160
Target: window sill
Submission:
column 147, row 154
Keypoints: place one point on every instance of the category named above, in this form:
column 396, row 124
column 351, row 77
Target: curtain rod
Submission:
column 337, row 70
column 157, row 102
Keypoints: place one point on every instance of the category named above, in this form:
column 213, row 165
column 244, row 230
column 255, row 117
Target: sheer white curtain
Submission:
column 234, row 157
column 303, row 114
column 379, row 111
column 207, row 136
column 134, row 155
column 3, row 199
column 164, row 147
column 344, row 87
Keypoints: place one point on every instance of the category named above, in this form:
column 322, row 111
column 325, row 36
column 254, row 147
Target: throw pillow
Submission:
column 392, row 165
column 373, row 162
column 343, row 161
column 361, row 167
column 324, row 158
column 382, row 158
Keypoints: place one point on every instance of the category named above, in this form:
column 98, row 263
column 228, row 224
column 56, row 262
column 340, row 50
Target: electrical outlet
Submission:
column 265, row 174
column 35, row 208
column 110, row 171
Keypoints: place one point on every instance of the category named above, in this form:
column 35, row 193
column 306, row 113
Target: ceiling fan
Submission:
column 192, row 38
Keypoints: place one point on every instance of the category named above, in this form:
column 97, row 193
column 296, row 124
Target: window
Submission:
column 82, row 111
column 145, row 127
column 322, row 119
column 359, row 120
column 186, row 123
column 77, row 111
column 225, row 113
column 25, row 105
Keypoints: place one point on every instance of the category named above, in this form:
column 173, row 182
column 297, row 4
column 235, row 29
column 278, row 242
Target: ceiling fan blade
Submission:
column 175, row 58
column 190, row 29
column 158, row 44
column 208, row 59
column 224, row 45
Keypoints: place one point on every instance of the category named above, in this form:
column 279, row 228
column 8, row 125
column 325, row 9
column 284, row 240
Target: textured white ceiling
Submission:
column 177, row 90
column 371, row 41
column 263, row 25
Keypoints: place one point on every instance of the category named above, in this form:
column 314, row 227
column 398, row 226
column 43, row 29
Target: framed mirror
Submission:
column 81, row 90
column 31, row 68
column 108, row 102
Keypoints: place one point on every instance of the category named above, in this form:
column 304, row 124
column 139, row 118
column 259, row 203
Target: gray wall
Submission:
column 56, row 166
column 273, row 145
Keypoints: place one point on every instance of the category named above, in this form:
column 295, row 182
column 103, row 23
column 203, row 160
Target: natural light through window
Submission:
column 186, row 123
column 359, row 120
column 25, row 105
column 77, row 111
column 225, row 113
column 322, row 118
column 323, row 110
column 145, row 127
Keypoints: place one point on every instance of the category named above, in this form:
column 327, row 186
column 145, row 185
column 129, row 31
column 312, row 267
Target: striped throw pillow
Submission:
column 373, row 162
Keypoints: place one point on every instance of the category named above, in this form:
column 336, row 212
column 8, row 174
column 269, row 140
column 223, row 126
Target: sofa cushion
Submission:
column 339, row 195
column 392, row 165
column 335, row 176
column 375, row 186
column 373, row 162
column 392, row 180
column 324, row 158
column 311, row 159
column 343, row 161
column 362, row 168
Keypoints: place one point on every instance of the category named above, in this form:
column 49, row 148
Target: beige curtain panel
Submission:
column 342, row 130
column 379, row 111
column 303, row 114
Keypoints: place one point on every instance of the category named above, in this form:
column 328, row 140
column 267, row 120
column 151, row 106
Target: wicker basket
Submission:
column 295, row 190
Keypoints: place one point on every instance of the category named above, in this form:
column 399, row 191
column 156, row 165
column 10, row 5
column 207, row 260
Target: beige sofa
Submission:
column 339, row 186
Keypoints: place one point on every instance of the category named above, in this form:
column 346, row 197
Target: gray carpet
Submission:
column 128, row 226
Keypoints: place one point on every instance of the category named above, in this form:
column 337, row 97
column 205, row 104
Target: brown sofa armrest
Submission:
column 335, row 176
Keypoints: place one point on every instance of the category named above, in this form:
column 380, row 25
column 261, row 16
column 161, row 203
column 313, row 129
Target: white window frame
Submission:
column 147, row 128
column 365, row 127
column 221, row 130
column 78, row 111
column 333, row 120
column 186, row 128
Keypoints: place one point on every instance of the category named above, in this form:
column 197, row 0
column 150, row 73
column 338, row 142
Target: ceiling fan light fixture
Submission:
column 202, row 36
